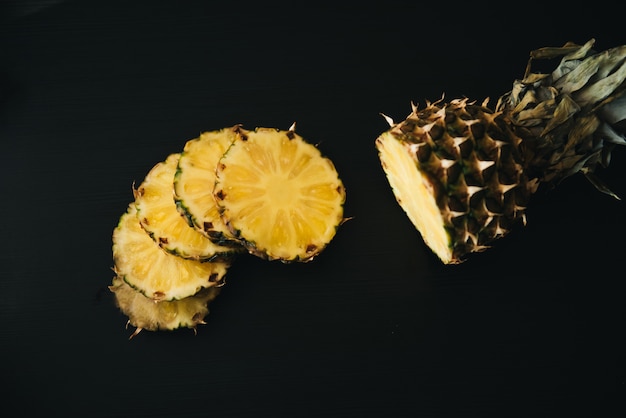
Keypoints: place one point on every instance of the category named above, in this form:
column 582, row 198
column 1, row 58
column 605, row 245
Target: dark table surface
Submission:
column 94, row 93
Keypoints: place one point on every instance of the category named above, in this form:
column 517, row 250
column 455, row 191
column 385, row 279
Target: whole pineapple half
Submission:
column 154, row 272
column 278, row 195
column 194, row 181
column 160, row 218
column 465, row 173
column 146, row 314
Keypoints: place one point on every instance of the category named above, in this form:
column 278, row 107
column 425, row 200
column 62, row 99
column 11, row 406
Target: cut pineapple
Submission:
column 278, row 195
column 144, row 313
column 157, row 274
column 465, row 173
column 194, row 181
column 454, row 170
column 158, row 215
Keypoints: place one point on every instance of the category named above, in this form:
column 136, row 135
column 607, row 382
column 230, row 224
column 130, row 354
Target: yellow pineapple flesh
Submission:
column 194, row 181
column 278, row 195
column 154, row 272
column 159, row 216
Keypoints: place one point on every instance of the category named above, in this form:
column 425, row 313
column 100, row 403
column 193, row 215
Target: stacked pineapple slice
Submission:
column 464, row 173
column 266, row 192
column 194, row 182
column 278, row 196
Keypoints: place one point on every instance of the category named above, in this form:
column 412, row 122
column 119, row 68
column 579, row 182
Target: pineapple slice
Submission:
column 278, row 195
column 194, row 181
column 144, row 313
column 159, row 216
column 157, row 274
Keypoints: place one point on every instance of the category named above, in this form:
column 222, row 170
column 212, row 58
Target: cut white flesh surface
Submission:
column 158, row 215
column 146, row 314
column 194, row 181
column 278, row 195
column 154, row 272
column 414, row 193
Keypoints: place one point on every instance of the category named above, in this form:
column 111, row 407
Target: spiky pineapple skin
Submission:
column 468, row 157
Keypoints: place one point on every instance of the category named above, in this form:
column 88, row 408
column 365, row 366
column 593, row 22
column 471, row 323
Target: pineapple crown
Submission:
column 570, row 119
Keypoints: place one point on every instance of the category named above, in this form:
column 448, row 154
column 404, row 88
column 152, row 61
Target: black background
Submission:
column 94, row 93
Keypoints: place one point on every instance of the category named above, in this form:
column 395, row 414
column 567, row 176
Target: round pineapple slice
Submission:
column 278, row 195
column 144, row 313
column 158, row 215
column 157, row 274
column 194, row 181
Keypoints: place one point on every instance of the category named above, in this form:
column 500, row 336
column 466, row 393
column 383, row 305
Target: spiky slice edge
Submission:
column 158, row 215
column 194, row 181
column 146, row 314
column 157, row 274
column 279, row 195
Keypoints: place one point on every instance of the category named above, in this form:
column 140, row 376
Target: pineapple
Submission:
column 144, row 313
column 159, row 216
column 464, row 173
column 265, row 191
column 278, row 195
column 194, row 181
column 154, row 272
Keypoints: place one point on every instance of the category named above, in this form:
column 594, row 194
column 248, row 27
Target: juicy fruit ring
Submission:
column 194, row 181
column 159, row 216
column 155, row 273
column 278, row 195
